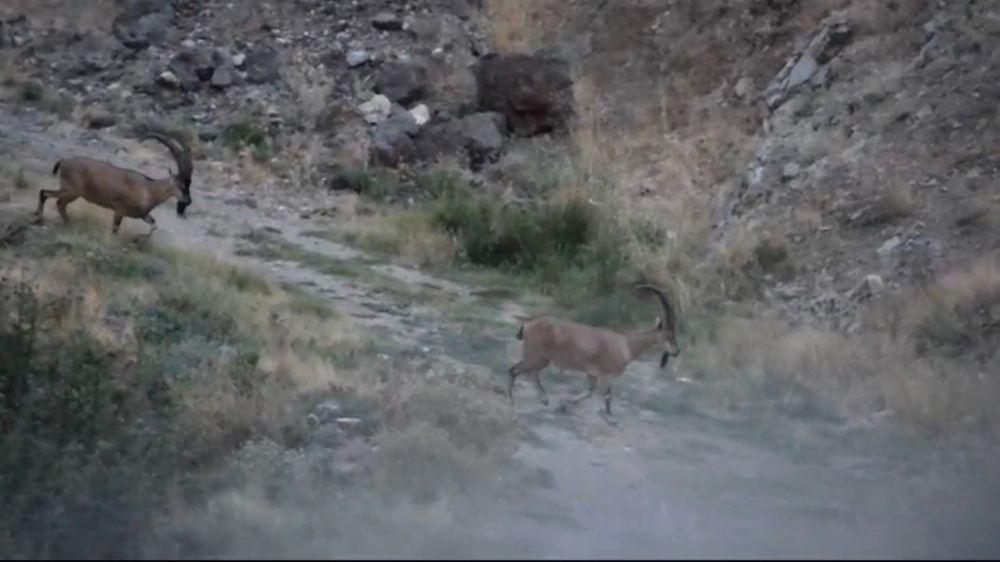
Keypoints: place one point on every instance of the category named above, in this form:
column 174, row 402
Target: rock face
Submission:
column 532, row 92
column 805, row 65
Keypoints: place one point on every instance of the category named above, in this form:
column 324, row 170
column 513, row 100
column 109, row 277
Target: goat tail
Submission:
column 520, row 333
column 55, row 169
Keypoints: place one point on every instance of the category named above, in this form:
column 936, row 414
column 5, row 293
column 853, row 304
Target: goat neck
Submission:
column 638, row 342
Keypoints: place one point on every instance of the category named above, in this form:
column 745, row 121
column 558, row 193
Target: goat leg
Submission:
column 116, row 223
column 61, row 204
column 148, row 219
column 591, row 386
column 541, row 391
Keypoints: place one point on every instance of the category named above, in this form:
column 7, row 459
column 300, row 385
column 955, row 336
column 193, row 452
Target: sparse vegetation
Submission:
column 240, row 134
column 128, row 373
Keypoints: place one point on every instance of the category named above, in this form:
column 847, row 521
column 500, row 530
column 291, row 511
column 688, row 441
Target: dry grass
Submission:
column 244, row 360
column 959, row 313
column 763, row 366
column 519, row 25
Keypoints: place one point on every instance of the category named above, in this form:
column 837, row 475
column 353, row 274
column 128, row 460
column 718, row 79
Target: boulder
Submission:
column 392, row 141
column 533, row 92
column 376, row 110
column 480, row 137
column 192, row 67
column 143, row 23
column 262, row 65
column 403, row 82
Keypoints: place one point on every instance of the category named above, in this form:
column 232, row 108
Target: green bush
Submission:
column 83, row 452
column 525, row 238
column 239, row 134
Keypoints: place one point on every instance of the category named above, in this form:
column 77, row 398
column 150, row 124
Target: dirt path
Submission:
column 657, row 485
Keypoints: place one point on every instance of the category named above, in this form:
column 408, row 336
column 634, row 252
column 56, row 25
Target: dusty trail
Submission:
column 657, row 485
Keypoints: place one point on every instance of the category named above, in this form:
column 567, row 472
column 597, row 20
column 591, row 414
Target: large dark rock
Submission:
column 143, row 23
column 533, row 92
column 392, row 140
column 263, row 65
column 192, row 67
column 480, row 137
column 403, row 82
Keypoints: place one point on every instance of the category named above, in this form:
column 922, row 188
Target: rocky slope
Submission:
column 824, row 153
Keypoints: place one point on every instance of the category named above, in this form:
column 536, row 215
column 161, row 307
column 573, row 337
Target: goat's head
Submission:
column 666, row 325
column 182, row 179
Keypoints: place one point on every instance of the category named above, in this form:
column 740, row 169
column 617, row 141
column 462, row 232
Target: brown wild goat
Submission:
column 600, row 353
column 126, row 192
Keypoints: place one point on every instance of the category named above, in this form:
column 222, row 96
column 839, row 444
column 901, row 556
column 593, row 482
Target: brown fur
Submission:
column 126, row 192
column 600, row 353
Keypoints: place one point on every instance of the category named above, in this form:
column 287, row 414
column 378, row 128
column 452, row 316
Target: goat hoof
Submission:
column 545, row 401
column 562, row 408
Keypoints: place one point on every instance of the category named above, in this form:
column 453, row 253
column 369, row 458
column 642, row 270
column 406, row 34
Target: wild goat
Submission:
column 600, row 353
column 126, row 192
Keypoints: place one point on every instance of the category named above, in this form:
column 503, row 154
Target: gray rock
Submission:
column 802, row 71
column 484, row 134
column 192, row 67
column 869, row 287
column 376, row 110
column 387, row 21
column 403, row 82
column 790, row 171
column 889, row 245
column 358, row 57
column 223, row 77
column 392, row 142
column 143, row 23
column 421, row 115
column 480, row 137
column 262, row 65
column 168, row 79
column 101, row 121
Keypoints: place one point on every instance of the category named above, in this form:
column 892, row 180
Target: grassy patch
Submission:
column 130, row 381
column 242, row 134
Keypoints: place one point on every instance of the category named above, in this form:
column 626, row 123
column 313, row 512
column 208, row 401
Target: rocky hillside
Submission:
column 816, row 155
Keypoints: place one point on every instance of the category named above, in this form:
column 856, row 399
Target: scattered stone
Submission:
column 376, row 110
column 387, row 21
column 358, row 57
column 889, row 245
column 239, row 59
column 869, row 287
column 101, row 121
column 790, row 171
column 168, row 79
column 421, row 115
column 144, row 24
column 743, row 87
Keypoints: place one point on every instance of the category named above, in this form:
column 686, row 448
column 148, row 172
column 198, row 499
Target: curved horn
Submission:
column 181, row 153
column 668, row 311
